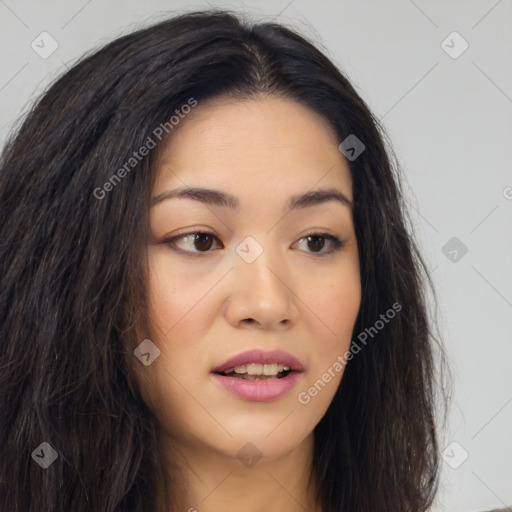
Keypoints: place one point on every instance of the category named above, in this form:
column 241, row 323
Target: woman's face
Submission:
column 254, row 282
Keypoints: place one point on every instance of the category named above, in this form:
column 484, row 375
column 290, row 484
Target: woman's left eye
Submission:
column 203, row 242
column 317, row 241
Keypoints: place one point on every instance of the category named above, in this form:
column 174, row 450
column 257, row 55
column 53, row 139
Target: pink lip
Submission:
column 261, row 357
column 258, row 390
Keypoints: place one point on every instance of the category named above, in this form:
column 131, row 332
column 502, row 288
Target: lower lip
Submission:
column 258, row 390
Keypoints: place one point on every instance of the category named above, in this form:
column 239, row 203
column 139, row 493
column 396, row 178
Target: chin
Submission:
column 270, row 435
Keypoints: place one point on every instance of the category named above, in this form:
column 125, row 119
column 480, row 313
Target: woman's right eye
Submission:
column 199, row 240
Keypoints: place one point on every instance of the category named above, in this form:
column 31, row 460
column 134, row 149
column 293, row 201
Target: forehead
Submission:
column 250, row 143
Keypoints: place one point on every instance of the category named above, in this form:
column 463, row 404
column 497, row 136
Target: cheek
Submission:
column 336, row 307
column 178, row 316
column 344, row 307
column 336, row 304
column 176, row 300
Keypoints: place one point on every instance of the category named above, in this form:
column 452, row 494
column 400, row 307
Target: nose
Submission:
column 262, row 295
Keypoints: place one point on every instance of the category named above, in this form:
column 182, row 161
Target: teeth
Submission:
column 259, row 369
column 270, row 369
column 255, row 369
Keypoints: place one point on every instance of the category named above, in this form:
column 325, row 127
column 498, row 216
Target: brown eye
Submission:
column 192, row 243
column 203, row 241
column 316, row 243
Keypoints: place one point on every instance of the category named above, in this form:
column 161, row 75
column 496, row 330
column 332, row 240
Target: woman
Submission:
column 197, row 209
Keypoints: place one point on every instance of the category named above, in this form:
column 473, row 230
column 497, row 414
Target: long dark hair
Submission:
column 73, row 278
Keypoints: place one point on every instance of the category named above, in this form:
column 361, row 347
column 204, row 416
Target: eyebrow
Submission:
column 218, row 198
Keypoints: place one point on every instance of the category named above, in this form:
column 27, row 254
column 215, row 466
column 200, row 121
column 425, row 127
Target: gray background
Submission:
column 451, row 125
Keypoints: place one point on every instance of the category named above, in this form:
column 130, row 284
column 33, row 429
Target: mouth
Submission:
column 259, row 376
column 255, row 371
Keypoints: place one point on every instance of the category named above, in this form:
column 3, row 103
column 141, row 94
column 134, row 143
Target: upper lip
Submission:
column 261, row 357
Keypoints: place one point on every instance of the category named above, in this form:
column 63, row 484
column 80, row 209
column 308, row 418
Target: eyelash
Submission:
column 171, row 242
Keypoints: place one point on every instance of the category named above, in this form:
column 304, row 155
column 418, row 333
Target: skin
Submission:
column 206, row 309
